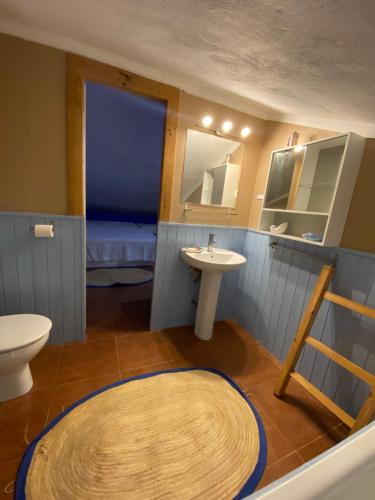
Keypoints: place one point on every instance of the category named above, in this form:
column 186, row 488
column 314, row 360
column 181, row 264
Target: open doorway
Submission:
column 124, row 155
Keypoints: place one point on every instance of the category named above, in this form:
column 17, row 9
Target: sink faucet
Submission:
column 211, row 242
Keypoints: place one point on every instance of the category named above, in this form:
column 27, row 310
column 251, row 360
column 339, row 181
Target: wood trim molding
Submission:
column 80, row 70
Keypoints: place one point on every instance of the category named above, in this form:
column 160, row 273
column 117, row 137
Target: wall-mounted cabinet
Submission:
column 310, row 187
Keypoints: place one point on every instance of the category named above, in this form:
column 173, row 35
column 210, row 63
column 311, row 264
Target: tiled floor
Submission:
column 297, row 427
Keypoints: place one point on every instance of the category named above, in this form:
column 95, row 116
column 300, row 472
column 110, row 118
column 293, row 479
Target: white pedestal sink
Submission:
column 212, row 264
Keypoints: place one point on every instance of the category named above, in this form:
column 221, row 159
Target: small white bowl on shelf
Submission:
column 313, row 237
column 280, row 229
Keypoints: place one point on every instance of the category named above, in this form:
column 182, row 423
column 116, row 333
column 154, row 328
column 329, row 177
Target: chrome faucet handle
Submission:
column 211, row 241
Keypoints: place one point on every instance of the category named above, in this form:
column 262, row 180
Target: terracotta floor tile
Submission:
column 199, row 360
column 277, row 446
column 339, row 433
column 45, row 366
column 279, row 469
column 22, row 416
column 248, row 364
column 87, row 360
column 228, row 333
column 97, row 298
column 133, row 316
column 164, row 365
column 8, row 473
column 115, row 310
column 181, row 341
column 139, row 349
column 67, row 394
column 100, row 323
column 100, row 332
column 120, row 346
column 316, row 447
column 298, row 416
column 323, row 443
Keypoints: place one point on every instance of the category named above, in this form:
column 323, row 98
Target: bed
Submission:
column 115, row 244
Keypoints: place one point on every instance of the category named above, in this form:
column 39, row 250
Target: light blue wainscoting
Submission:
column 44, row 276
column 174, row 289
column 274, row 290
column 268, row 297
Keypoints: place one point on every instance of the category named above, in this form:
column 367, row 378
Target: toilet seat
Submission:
column 21, row 330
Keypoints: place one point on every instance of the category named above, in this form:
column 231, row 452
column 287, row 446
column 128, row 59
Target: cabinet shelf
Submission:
column 318, row 184
column 294, row 238
column 326, row 214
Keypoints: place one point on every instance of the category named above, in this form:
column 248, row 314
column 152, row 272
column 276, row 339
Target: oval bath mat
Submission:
column 109, row 276
column 185, row 433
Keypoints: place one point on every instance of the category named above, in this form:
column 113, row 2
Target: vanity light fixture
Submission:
column 207, row 121
column 227, row 126
column 298, row 148
column 245, row 132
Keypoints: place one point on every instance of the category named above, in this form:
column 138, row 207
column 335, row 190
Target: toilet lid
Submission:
column 20, row 330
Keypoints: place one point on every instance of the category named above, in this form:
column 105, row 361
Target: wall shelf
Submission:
column 311, row 187
column 291, row 237
column 294, row 211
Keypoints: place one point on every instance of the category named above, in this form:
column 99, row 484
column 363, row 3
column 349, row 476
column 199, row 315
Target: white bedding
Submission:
column 119, row 243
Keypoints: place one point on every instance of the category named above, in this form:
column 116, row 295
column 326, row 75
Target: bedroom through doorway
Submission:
column 124, row 155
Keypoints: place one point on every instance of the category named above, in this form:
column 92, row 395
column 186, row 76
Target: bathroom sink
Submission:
column 219, row 260
column 213, row 264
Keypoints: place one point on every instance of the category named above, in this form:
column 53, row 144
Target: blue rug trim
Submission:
column 246, row 490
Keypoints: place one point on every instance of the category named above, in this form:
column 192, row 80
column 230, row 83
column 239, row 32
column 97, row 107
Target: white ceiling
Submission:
column 310, row 62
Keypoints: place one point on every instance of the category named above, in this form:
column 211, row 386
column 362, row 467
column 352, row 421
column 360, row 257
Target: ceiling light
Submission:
column 298, row 148
column 245, row 132
column 227, row 126
column 207, row 121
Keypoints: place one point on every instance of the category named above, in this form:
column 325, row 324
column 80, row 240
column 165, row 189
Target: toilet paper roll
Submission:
column 43, row 230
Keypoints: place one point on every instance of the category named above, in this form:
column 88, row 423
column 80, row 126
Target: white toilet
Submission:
column 22, row 336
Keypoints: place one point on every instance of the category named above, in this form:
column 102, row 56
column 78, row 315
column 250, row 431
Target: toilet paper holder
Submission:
column 43, row 230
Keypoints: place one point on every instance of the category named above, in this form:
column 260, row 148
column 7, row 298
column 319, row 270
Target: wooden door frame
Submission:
column 80, row 70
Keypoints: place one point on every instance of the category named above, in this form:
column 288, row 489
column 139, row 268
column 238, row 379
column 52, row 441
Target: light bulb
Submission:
column 245, row 132
column 298, row 148
column 207, row 121
column 227, row 126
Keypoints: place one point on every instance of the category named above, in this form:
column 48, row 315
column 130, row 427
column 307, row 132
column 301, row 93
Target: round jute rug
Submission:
column 186, row 433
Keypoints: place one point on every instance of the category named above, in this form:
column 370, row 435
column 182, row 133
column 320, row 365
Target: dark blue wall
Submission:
column 124, row 147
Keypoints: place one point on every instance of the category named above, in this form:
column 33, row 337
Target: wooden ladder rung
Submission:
column 322, row 398
column 350, row 304
column 303, row 337
column 342, row 361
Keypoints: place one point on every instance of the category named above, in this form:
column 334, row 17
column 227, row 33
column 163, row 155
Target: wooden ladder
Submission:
column 302, row 337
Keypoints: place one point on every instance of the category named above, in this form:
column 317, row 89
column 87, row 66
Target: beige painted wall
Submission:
column 192, row 109
column 32, row 127
column 33, row 147
column 359, row 231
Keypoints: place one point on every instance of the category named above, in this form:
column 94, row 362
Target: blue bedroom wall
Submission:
column 124, row 148
column 268, row 296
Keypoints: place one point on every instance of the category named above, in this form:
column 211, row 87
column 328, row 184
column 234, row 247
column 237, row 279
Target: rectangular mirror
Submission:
column 304, row 178
column 212, row 170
